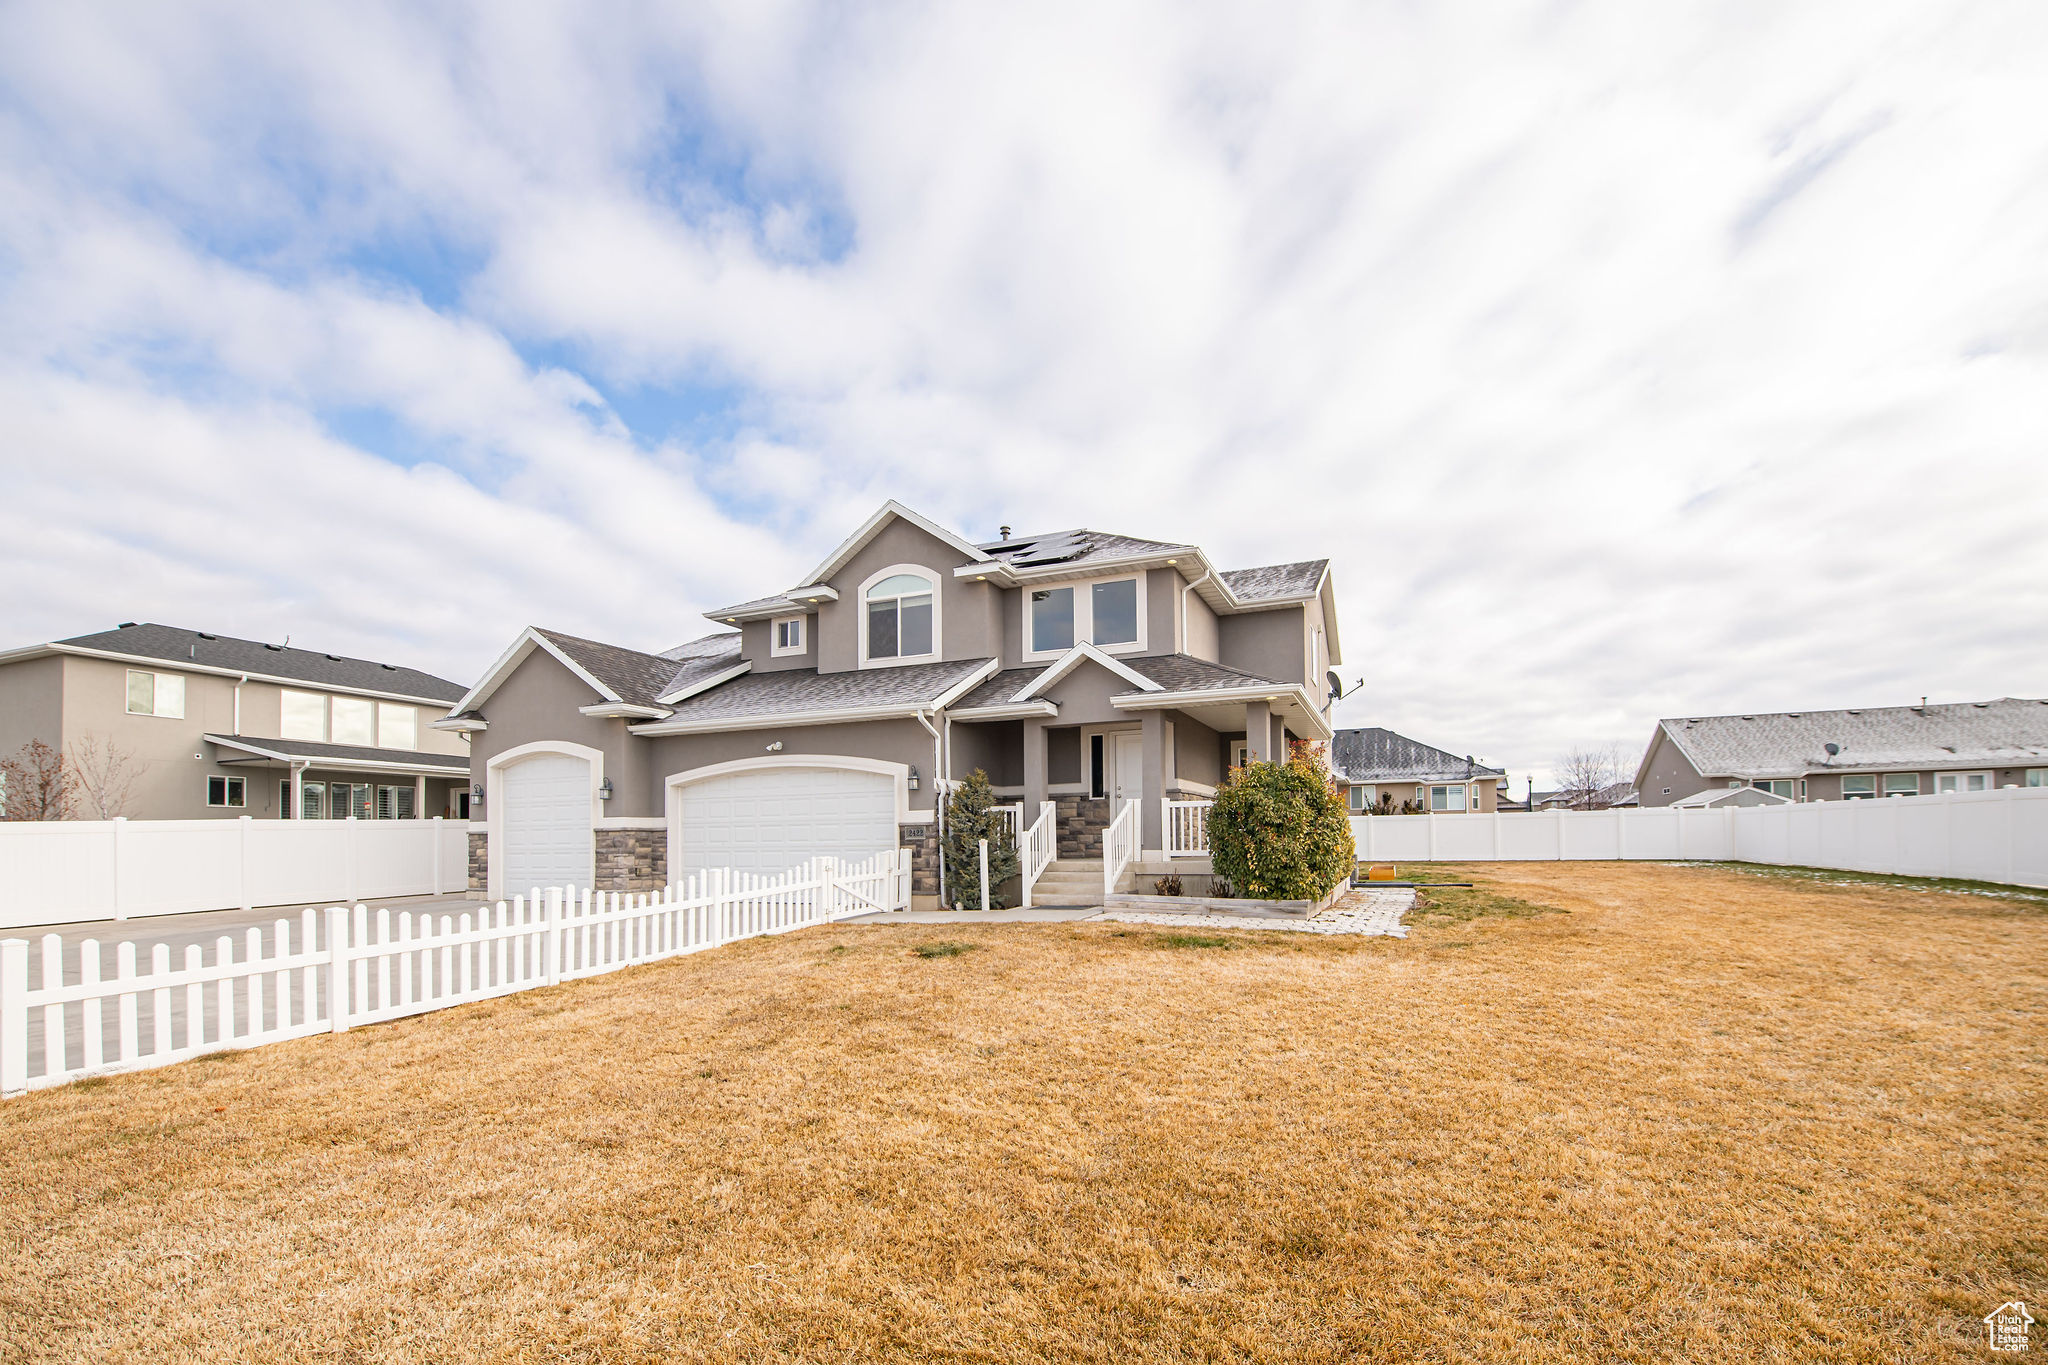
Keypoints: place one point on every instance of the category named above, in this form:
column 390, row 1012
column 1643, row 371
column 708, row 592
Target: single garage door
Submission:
column 545, row 821
column 770, row 820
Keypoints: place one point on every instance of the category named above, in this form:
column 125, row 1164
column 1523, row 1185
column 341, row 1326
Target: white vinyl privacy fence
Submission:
column 65, row 871
column 67, row 1015
column 1995, row 836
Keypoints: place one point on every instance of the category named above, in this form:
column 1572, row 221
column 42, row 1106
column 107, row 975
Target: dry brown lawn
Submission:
column 1701, row 1116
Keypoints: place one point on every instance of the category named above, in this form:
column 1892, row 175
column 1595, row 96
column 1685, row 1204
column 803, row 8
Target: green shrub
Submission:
column 971, row 816
column 1279, row 831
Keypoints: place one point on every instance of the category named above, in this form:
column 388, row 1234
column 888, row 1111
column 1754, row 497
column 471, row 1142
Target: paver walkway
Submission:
column 1363, row 910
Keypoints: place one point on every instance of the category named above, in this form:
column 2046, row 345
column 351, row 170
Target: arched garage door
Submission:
column 770, row 819
column 544, row 810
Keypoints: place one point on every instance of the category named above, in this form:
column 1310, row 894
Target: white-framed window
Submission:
column 1902, row 784
column 786, row 636
column 301, row 715
column 899, row 620
column 2037, row 777
column 1446, row 798
column 156, row 694
column 1859, row 787
column 1962, row 782
column 313, row 800
column 1777, row 786
column 352, row 720
column 1360, row 798
column 398, row 727
column 1108, row 613
column 226, row 791
column 1240, row 752
column 395, row 803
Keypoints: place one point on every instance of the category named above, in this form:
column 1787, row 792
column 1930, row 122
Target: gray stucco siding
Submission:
column 969, row 613
column 997, row 748
column 891, row 741
column 1197, row 754
column 537, row 701
column 757, row 639
column 1063, row 755
column 31, row 704
column 1267, row 644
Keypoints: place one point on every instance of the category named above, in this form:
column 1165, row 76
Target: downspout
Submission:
column 238, row 702
column 1206, row 576
column 938, row 783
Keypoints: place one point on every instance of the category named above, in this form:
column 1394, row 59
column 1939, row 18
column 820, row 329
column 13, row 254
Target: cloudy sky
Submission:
column 1627, row 360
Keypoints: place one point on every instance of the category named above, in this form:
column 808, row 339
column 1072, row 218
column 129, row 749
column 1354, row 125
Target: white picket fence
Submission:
column 1995, row 836
column 373, row 966
column 66, row 871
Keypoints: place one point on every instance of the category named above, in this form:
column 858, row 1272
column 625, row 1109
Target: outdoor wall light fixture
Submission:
column 913, row 777
column 776, row 747
column 604, row 790
column 476, row 791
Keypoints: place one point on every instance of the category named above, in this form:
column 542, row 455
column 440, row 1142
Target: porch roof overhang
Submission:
column 617, row 710
column 1222, row 708
column 1023, row 710
column 270, row 753
column 795, row 602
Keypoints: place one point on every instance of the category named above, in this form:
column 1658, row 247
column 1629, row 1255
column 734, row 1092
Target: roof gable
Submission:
column 1377, row 755
column 889, row 511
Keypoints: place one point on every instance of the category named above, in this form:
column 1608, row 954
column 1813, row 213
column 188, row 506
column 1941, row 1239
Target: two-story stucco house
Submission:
column 215, row 727
column 1083, row 669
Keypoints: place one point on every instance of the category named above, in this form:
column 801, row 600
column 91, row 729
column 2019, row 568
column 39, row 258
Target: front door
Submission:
column 1130, row 769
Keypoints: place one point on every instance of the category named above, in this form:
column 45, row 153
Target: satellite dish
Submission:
column 1337, row 687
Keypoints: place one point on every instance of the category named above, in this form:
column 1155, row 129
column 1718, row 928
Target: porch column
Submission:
column 419, row 797
column 1034, row 767
column 1152, row 788
column 1258, row 732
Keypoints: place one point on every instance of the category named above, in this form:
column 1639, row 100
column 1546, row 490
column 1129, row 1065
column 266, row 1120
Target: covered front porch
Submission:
column 304, row 780
column 1104, row 761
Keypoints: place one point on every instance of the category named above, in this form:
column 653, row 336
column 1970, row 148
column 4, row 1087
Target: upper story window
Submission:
column 787, row 635
column 1108, row 613
column 1859, row 787
column 156, row 694
column 352, row 720
column 900, row 618
column 398, row 727
column 301, row 715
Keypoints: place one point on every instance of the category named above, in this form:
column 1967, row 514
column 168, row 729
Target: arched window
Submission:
column 899, row 617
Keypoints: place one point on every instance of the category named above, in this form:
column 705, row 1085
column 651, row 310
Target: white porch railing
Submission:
column 1119, row 847
column 378, row 967
column 1037, row 848
column 1013, row 815
column 1187, row 828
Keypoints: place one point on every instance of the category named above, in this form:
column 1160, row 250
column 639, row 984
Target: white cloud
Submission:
column 1628, row 362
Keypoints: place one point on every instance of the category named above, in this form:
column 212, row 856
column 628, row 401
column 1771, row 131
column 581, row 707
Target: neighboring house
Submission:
column 1714, row 797
column 1609, row 797
column 1372, row 764
column 212, row 726
column 1083, row 668
column 1851, row 755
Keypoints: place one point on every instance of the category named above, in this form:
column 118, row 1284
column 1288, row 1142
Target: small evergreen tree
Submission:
column 1279, row 831
column 972, row 815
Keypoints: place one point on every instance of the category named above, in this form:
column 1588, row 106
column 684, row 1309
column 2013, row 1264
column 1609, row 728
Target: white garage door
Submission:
column 771, row 820
column 544, row 817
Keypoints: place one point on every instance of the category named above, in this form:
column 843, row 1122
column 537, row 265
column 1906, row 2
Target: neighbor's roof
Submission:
column 2011, row 731
column 172, row 644
column 799, row 690
column 1376, row 755
column 1173, row 673
column 353, row 755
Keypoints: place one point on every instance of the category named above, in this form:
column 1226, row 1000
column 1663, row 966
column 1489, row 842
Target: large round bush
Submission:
column 1279, row 831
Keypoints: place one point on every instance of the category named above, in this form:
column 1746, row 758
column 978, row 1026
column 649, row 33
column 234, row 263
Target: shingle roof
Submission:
column 779, row 599
column 173, row 644
column 790, row 691
column 1174, row 672
column 306, row 748
column 637, row 678
column 719, row 644
column 2007, row 732
column 1376, row 755
column 1272, row 581
column 1074, row 548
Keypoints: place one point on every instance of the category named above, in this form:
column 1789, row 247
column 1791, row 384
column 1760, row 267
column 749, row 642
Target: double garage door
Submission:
column 769, row 820
column 763, row 821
